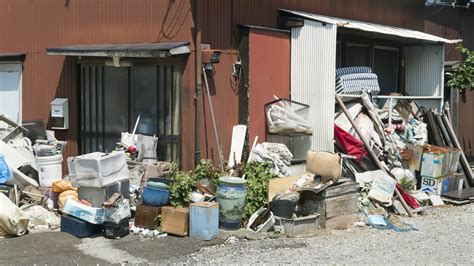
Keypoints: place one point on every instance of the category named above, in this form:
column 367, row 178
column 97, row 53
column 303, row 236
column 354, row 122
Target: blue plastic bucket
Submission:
column 155, row 197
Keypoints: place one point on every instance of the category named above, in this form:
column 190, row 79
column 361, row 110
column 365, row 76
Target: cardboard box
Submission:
column 434, row 162
column 280, row 185
column 175, row 220
column 147, row 216
column 84, row 212
column 432, row 185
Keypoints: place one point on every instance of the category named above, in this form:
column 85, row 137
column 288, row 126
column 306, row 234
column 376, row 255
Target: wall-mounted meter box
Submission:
column 59, row 114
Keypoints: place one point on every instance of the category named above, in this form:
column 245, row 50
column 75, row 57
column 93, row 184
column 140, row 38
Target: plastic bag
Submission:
column 5, row 173
column 60, row 186
column 13, row 221
column 68, row 194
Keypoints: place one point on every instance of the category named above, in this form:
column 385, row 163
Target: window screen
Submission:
column 113, row 98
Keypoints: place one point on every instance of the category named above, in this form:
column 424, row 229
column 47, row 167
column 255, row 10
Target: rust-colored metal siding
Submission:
column 456, row 23
column 32, row 26
column 445, row 23
column 269, row 74
column 220, row 33
column 465, row 109
column 225, row 103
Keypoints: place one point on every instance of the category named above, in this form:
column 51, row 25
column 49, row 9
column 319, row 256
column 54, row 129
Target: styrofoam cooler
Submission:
column 98, row 169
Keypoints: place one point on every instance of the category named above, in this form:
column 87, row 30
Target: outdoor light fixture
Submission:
column 209, row 58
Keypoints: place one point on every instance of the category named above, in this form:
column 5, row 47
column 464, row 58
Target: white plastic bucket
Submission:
column 49, row 169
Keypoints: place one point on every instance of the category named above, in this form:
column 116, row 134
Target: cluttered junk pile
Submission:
column 389, row 162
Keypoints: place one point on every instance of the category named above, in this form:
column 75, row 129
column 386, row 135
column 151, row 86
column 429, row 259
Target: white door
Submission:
column 10, row 91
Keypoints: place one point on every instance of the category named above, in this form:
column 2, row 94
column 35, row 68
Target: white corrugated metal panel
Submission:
column 372, row 27
column 313, row 64
column 424, row 72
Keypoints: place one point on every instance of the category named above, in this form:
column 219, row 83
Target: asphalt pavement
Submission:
column 62, row 248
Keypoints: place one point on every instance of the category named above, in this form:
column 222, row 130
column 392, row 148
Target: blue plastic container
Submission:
column 204, row 220
column 78, row 227
column 155, row 197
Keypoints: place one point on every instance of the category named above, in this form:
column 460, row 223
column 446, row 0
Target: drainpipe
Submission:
column 198, row 91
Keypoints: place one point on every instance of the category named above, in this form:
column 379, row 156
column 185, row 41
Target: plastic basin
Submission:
column 155, row 196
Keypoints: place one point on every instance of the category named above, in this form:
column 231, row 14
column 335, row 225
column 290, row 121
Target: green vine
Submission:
column 257, row 175
column 206, row 169
column 463, row 78
column 181, row 188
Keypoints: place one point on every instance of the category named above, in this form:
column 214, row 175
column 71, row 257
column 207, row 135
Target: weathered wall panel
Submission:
column 456, row 23
column 465, row 109
column 33, row 26
column 269, row 57
column 424, row 72
column 225, row 103
column 404, row 13
column 313, row 61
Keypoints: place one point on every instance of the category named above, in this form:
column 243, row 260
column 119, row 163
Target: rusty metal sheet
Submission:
column 269, row 74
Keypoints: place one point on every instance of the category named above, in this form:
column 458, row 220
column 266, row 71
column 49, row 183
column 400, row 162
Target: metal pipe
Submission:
column 390, row 110
column 198, row 91
column 221, row 161
column 372, row 155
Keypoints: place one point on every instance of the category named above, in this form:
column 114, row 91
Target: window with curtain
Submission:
column 113, row 98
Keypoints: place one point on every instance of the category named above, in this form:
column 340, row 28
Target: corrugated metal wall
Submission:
column 269, row 74
column 31, row 26
column 313, row 62
column 225, row 103
column 424, row 73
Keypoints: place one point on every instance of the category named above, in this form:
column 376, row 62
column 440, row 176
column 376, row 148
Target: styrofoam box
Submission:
column 98, row 169
column 84, row 212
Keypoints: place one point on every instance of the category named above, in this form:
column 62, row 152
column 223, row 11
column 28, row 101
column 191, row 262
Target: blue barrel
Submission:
column 231, row 196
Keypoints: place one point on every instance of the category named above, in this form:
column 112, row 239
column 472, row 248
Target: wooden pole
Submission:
column 372, row 154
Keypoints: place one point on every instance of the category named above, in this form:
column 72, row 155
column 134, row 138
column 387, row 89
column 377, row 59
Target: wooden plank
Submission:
column 341, row 222
column 341, row 206
column 279, row 185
